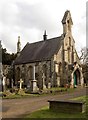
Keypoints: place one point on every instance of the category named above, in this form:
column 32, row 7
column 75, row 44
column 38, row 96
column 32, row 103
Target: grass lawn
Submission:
column 27, row 95
column 46, row 113
column 17, row 96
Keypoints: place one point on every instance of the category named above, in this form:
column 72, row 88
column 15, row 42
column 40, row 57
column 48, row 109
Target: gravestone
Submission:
column 34, row 87
column 21, row 91
column 4, row 83
column 21, row 81
column 28, row 85
column 68, row 106
column 12, row 83
column 8, row 83
column 49, row 85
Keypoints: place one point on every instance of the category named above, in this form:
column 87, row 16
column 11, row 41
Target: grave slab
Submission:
column 68, row 106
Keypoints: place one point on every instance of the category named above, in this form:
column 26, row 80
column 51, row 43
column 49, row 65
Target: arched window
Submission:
column 23, row 72
column 18, row 74
column 60, row 67
column 45, row 73
column 30, row 72
column 69, row 25
column 69, row 41
column 69, row 55
column 45, row 69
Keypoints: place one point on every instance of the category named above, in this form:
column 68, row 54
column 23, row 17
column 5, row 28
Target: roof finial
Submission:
column 45, row 36
column 18, row 45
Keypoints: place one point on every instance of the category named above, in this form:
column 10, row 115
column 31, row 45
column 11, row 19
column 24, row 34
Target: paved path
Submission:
column 16, row 108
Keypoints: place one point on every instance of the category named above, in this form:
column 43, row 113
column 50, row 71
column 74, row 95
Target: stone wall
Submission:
column 47, row 68
column 6, row 69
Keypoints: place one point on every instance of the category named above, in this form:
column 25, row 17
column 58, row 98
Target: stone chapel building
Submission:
column 47, row 63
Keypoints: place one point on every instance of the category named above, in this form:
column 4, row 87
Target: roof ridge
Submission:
column 41, row 50
column 43, row 40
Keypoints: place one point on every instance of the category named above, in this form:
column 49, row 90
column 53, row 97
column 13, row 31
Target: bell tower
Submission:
column 18, row 45
column 67, row 22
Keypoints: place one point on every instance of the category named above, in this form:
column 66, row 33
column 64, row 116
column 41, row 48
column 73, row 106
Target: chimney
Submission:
column 44, row 36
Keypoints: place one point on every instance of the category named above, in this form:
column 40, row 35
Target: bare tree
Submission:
column 84, row 59
column 84, row 55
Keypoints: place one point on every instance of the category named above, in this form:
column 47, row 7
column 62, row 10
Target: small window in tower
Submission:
column 67, row 21
column 69, row 25
column 69, row 41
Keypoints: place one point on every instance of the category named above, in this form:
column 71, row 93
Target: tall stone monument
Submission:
column 34, row 87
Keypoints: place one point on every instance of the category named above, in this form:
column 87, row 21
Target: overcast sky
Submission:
column 29, row 18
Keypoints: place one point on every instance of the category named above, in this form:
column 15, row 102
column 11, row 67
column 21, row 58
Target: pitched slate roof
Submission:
column 39, row 51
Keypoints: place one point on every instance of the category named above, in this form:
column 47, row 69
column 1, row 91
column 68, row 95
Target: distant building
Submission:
column 50, row 61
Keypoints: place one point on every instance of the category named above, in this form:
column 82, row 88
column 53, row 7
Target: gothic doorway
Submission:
column 76, row 78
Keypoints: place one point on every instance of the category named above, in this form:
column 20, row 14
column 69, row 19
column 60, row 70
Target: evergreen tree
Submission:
column 7, row 58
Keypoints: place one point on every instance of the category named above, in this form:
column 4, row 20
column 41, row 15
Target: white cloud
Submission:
column 29, row 18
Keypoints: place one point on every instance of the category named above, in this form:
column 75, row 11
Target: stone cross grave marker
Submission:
column 21, row 81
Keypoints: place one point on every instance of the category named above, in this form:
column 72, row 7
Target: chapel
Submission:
column 50, row 62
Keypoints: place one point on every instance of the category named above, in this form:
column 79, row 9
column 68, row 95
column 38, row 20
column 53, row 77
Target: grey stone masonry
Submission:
column 67, row 106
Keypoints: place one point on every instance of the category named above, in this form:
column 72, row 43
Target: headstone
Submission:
column 34, row 87
column 43, row 77
column 12, row 83
column 21, row 81
column 4, row 83
column 58, row 81
column 7, row 83
column 49, row 85
column 28, row 85
column 67, row 106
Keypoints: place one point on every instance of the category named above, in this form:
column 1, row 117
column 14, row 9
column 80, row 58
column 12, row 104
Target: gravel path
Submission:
column 16, row 108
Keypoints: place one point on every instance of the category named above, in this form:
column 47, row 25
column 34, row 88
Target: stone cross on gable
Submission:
column 21, row 81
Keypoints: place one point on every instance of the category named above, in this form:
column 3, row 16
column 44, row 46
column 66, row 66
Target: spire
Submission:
column 44, row 36
column 18, row 45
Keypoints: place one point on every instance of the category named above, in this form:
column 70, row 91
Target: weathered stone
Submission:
column 21, row 92
column 54, row 68
column 67, row 106
column 34, row 87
